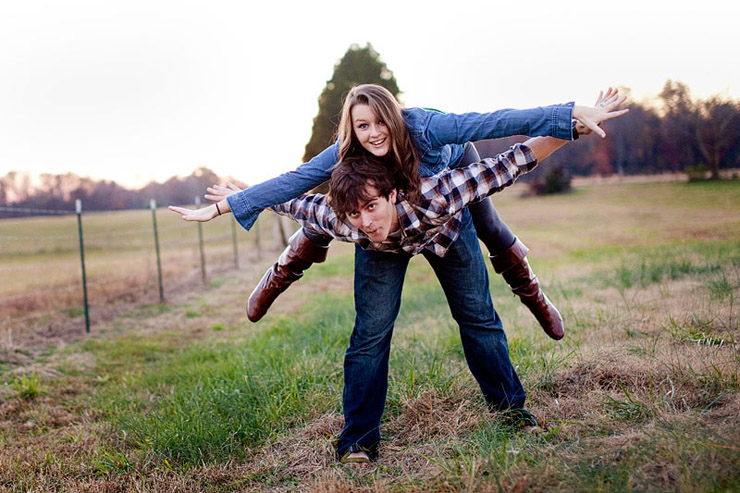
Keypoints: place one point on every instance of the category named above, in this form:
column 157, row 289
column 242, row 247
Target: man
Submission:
column 365, row 207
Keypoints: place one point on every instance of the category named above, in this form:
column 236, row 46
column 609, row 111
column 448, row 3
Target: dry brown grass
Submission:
column 646, row 386
column 411, row 439
column 52, row 442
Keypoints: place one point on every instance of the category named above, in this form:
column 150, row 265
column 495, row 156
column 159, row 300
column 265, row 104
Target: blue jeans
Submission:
column 378, row 284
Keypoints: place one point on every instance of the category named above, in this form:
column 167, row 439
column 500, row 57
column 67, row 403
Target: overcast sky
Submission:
column 134, row 91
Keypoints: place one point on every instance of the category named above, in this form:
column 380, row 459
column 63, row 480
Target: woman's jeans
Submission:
column 491, row 229
column 378, row 283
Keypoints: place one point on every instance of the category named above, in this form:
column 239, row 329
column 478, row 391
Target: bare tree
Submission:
column 718, row 131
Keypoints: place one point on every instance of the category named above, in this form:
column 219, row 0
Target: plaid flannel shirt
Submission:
column 435, row 221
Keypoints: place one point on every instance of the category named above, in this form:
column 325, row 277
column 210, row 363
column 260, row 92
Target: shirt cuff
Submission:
column 525, row 158
column 242, row 210
column 562, row 117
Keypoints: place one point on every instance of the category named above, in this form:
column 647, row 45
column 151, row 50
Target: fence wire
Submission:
column 104, row 249
column 26, row 210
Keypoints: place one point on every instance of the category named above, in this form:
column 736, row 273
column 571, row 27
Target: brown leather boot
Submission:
column 513, row 266
column 297, row 257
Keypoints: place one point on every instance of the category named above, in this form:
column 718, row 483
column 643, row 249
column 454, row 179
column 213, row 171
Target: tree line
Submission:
column 59, row 192
column 670, row 134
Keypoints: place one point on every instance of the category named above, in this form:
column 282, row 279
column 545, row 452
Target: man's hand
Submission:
column 217, row 193
column 589, row 119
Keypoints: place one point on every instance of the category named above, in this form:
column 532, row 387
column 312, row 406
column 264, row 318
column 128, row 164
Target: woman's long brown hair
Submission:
column 386, row 108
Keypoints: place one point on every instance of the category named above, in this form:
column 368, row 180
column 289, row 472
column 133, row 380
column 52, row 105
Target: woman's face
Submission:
column 371, row 132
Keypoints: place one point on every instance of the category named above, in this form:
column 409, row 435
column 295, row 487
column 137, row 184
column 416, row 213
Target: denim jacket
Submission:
column 438, row 137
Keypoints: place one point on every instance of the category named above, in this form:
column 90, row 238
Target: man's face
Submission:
column 376, row 217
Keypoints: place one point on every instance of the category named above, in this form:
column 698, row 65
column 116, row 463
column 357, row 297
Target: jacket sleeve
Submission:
column 247, row 204
column 437, row 129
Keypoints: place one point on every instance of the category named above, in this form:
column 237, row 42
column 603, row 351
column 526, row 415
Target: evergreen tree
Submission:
column 359, row 65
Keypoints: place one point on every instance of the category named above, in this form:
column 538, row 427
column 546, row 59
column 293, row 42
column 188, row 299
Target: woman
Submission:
column 415, row 141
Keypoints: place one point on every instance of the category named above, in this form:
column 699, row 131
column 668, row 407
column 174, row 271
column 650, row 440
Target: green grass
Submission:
column 28, row 387
column 645, row 273
column 215, row 401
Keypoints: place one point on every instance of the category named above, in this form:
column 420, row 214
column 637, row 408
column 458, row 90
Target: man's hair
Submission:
column 351, row 176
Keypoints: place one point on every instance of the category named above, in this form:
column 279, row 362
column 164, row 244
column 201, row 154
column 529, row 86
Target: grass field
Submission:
column 641, row 395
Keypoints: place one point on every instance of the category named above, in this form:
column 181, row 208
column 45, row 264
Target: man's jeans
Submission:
column 378, row 282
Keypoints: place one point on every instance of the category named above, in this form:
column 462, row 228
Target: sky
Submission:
column 135, row 91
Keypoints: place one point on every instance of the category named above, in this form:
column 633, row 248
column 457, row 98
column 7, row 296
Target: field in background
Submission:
column 642, row 394
column 41, row 295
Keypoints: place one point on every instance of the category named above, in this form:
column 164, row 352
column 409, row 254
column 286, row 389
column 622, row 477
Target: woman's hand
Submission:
column 217, row 193
column 201, row 215
column 589, row 119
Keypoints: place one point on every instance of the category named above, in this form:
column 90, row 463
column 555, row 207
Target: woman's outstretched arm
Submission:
column 203, row 214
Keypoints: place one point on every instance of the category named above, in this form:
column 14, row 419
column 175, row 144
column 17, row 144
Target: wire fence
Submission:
column 61, row 265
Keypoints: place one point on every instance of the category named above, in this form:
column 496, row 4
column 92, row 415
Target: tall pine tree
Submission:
column 359, row 65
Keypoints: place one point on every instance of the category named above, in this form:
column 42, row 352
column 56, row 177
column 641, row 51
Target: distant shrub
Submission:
column 698, row 172
column 556, row 179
